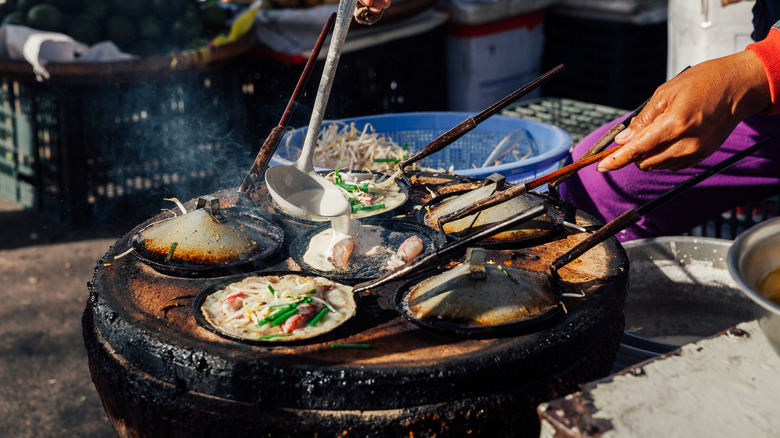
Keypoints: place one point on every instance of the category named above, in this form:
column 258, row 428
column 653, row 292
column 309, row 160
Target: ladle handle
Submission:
column 344, row 15
column 433, row 258
column 273, row 139
column 467, row 125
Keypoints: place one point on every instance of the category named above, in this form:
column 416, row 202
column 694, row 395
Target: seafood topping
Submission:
column 288, row 307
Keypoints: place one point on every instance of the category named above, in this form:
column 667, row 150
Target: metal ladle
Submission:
column 297, row 188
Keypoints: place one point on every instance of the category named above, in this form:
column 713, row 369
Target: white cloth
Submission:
column 38, row 48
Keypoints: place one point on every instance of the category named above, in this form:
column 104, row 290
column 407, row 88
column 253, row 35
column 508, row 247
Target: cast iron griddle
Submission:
column 153, row 364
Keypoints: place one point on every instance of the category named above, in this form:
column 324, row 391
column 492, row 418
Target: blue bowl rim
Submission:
column 543, row 160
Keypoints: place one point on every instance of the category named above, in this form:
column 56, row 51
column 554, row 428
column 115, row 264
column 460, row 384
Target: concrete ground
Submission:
column 45, row 385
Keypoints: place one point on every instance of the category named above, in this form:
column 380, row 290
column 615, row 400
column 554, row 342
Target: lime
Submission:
column 121, row 30
column 84, row 28
column 15, row 17
column 26, row 5
column 46, row 17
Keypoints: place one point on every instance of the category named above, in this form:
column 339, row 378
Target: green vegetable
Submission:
column 318, row 316
column 386, row 160
column 514, row 280
column 363, row 207
column 283, row 308
column 170, row 251
column 273, row 292
column 348, row 187
column 284, row 316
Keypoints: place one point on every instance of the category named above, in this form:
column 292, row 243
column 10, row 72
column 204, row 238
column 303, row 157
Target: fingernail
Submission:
column 623, row 135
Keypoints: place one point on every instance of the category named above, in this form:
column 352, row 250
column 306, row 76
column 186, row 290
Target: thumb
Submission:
column 624, row 136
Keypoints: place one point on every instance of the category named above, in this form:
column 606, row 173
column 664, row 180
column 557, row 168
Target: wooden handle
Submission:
column 616, row 225
column 271, row 142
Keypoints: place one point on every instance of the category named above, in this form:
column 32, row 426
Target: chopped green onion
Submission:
column 386, row 160
column 273, row 292
column 350, row 345
column 280, row 335
column 359, row 207
column 514, row 280
column 364, row 188
column 336, row 176
column 405, row 146
column 312, row 292
column 283, row 317
column 283, row 306
column 170, row 252
column 318, row 316
column 347, row 187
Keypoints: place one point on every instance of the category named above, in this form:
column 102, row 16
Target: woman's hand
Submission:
column 376, row 6
column 691, row 115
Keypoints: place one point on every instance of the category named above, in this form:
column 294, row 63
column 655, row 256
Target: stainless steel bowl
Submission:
column 755, row 253
column 680, row 291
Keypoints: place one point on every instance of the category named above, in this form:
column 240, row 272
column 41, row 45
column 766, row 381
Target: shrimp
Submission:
column 233, row 303
column 341, row 251
column 305, row 313
column 410, row 248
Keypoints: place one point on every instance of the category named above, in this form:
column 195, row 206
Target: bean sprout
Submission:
column 341, row 145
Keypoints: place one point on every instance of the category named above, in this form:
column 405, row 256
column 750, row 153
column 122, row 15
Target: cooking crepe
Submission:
column 508, row 295
column 488, row 216
column 198, row 239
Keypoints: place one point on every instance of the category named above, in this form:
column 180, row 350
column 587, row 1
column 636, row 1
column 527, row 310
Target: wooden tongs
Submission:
column 271, row 143
column 594, row 154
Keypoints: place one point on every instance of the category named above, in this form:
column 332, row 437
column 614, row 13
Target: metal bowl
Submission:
column 680, row 291
column 754, row 254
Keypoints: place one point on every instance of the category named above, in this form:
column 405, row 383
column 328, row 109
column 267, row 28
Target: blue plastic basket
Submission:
column 551, row 144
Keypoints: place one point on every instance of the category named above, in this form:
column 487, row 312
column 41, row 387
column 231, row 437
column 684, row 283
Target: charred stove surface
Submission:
column 160, row 373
